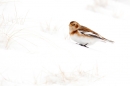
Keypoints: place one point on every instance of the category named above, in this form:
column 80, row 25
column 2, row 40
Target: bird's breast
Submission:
column 83, row 39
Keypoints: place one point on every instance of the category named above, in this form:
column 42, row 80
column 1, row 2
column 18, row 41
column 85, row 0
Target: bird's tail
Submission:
column 108, row 40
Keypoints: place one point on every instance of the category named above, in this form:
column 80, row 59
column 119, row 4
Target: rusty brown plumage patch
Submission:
column 76, row 26
column 74, row 32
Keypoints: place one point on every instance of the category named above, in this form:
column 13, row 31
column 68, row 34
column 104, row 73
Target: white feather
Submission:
column 83, row 40
column 86, row 33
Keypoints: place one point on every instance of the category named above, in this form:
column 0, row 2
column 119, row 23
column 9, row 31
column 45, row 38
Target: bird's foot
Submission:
column 84, row 45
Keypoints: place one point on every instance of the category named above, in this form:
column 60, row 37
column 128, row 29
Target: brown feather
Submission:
column 87, row 29
column 75, row 26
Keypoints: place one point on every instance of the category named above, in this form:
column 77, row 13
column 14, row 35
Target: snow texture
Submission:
column 36, row 50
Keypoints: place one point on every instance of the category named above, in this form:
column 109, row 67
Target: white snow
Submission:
column 36, row 50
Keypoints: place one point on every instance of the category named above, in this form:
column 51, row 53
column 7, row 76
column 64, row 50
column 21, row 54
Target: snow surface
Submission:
column 36, row 49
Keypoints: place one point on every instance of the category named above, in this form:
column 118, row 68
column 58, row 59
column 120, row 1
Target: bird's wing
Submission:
column 95, row 35
column 90, row 34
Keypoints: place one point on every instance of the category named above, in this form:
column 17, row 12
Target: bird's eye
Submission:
column 73, row 24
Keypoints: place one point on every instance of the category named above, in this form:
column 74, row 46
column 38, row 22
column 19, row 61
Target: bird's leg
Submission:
column 84, row 45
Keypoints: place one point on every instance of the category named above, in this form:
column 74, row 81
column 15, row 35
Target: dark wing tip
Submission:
column 110, row 41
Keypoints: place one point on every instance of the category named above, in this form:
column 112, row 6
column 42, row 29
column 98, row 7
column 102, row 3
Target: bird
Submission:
column 83, row 35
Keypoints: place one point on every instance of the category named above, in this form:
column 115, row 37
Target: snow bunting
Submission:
column 83, row 35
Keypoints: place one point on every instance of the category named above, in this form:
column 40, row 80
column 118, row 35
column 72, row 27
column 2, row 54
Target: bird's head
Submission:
column 74, row 25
